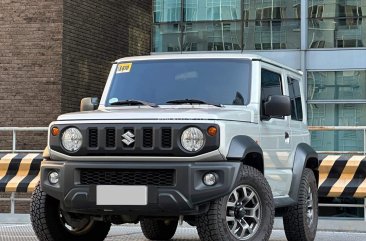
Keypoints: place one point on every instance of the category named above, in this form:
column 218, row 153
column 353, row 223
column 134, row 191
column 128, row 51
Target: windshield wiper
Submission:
column 134, row 102
column 191, row 101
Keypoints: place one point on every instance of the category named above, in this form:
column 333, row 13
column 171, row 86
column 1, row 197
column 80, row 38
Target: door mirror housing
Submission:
column 89, row 104
column 277, row 105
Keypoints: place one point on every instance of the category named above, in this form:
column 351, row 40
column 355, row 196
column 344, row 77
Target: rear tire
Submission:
column 301, row 220
column 156, row 229
column 245, row 214
column 49, row 223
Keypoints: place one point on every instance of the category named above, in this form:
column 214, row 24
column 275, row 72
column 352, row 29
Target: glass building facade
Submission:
column 323, row 38
column 326, row 39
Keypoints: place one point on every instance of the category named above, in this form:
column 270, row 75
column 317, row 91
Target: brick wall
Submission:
column 95, row 34
column 30, row 65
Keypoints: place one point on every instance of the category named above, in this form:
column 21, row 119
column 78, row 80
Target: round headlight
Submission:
column 72, row 139
column 192, row 139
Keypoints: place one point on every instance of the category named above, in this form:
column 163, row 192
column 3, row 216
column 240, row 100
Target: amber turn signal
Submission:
column 212, row 131
column 55, row 131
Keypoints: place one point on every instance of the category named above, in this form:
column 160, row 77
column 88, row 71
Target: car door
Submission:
column 275, row 139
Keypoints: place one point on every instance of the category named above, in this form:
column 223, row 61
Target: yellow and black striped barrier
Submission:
column 341, row 176
column 19, row 172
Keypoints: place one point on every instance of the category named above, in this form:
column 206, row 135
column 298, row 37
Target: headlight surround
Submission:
column 72, row 139
column 192, row 139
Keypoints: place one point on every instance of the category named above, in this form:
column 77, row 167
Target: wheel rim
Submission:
column 243, row 212
column 310, row 209
column 83, row 226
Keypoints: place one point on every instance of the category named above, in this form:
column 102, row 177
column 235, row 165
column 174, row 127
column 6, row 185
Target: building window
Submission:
column 337, row 25
column 212, row 10
column 167, row 11
column 235, row 24
column 212, row 36
column 337, row 98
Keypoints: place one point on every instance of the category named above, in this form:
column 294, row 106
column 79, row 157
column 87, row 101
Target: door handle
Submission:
column 287, row 137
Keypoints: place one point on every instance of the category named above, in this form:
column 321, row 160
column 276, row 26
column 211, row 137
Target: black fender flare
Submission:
column 305, row 157
column 244, row 148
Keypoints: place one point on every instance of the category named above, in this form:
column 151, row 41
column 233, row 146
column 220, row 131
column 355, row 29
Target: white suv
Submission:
column 217, row 140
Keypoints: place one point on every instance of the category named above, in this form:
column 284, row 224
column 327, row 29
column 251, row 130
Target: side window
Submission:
column 295, row 97
column 271, row 85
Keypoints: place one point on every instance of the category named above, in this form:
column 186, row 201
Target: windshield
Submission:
column 212, row 81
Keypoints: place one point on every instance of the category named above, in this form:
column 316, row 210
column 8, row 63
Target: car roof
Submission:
column 252, row 57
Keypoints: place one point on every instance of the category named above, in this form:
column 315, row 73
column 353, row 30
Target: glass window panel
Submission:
column 337, row 115
column 340, row 85
column 201, row 10
column 272, row 34
column 167, row 11
column 339, row 24
column 332, row 9
column 272, row 9
column 343, row 141
column 166, row 37
column 212, row 36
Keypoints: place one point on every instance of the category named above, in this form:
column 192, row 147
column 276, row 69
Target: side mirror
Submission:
column 89, row 104
column 277, row 105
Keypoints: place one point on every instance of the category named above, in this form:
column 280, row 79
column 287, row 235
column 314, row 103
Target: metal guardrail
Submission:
column 14, row 149
column 15, row 130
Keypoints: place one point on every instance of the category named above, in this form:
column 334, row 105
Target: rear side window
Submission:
column 295, row 97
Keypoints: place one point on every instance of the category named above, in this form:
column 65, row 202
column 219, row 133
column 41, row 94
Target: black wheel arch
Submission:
column 245, row 149
column 305, row 157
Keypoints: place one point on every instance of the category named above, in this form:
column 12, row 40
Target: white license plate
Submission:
column 121, row 195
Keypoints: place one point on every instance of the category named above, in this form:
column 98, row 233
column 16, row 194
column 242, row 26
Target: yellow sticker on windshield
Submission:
column 124, row 68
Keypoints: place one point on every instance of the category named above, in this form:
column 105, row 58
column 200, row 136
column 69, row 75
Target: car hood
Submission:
column 166, row 113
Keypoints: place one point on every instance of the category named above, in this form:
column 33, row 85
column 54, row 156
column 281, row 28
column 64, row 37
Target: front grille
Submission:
column 159, row 178
column 93, row 137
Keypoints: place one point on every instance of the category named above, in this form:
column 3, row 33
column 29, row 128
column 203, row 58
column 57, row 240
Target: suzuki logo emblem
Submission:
column 128, row 138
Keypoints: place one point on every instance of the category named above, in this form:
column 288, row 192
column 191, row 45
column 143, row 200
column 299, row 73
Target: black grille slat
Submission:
column 127, row 177
column 147, row 139
column 93, row 137
column 110, row 137
column 166, row 137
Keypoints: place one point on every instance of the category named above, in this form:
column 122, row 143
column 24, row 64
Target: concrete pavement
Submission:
column 24, row 232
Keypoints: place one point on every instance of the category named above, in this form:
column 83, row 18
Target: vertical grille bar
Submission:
column 110, row 137
column 93, row 137
column 147, row 137
column 166, row 137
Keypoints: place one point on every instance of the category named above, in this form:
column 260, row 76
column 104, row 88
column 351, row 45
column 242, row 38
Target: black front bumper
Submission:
column 188, row 196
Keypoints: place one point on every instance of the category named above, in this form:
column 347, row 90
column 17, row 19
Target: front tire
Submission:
column 247, row 213
column 49, row 222
column 301, row 220
column 156, row 229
